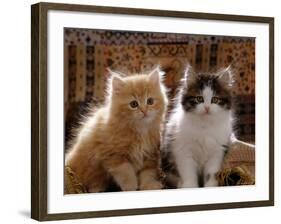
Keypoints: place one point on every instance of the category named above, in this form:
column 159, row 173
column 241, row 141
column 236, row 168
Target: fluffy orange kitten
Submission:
column 121, row 140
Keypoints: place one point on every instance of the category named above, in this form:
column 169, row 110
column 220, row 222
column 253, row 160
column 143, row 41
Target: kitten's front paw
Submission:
column 188, row 184
column 152, row 185
column 211, row 183
column 130, row 185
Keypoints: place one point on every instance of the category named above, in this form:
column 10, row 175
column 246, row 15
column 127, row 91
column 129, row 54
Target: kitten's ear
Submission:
column 116, row 80
column 225, row 76
column 189, row 74
column 155, row 75
column 117, row 83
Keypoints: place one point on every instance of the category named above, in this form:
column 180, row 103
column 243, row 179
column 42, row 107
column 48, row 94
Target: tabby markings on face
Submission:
column 206, row 95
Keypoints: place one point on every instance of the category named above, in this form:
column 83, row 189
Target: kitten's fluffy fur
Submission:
column 119, row 142
column 199, row 128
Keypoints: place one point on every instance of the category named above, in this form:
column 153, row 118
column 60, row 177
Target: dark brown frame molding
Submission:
column 39, row 109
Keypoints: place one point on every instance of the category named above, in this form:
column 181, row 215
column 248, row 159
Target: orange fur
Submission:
column 122, row 142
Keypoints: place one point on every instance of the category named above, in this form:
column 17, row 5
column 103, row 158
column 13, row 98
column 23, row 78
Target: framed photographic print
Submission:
column 139, row 111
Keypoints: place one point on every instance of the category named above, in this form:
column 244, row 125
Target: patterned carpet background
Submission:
column 87, row 54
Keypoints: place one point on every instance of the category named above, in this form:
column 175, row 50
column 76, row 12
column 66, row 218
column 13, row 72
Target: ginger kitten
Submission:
column 199, row 129
column 121, row 140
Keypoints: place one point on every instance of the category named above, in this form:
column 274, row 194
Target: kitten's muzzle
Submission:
column 207, row 109
column 144, row 112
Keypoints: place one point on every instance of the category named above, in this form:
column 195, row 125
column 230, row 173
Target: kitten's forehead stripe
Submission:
column 206, row 80
column 207, row 94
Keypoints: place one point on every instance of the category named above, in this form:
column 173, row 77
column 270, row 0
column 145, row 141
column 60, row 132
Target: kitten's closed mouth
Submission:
column 146, row 118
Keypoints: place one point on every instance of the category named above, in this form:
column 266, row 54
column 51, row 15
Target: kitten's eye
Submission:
column 199, row 99
column 215, row 100
column 134, row 104
column 150, row 101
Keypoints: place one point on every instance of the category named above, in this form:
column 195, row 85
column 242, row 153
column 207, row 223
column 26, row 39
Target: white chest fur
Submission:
column 200, row 136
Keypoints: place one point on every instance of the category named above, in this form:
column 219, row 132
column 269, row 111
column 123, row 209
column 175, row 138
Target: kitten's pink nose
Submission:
column 144, row 112
column 207, row 109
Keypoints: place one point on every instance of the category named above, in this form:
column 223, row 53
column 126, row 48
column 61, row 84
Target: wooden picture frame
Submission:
column 39, row 108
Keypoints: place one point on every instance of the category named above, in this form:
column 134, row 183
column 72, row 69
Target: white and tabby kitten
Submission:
column 199, row 129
